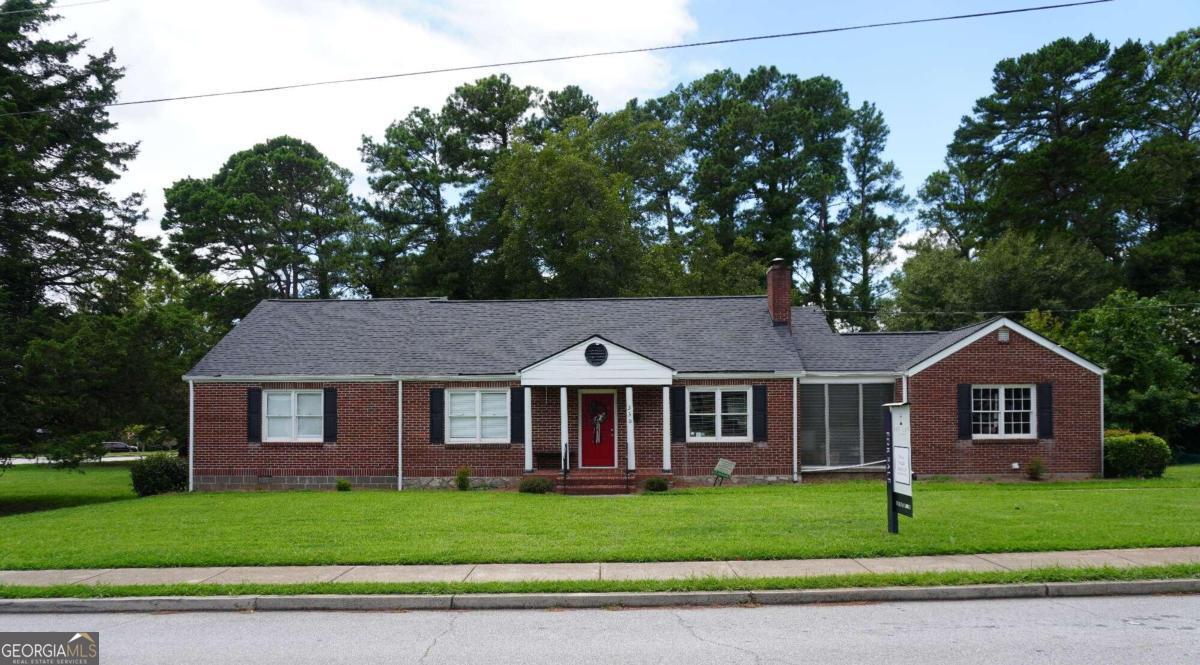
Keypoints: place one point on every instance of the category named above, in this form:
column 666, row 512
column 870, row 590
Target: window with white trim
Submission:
column 477, row 416
column 718, row 414
column 293, row 415
column 1002, row 412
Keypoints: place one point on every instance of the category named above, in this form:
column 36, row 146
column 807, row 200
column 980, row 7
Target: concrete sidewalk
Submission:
column 499, row 572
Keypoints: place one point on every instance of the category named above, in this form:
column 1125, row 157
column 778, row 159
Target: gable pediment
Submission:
column 596, row 362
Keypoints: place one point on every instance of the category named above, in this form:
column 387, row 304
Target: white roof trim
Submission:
column 993, row 327
column 347, row 378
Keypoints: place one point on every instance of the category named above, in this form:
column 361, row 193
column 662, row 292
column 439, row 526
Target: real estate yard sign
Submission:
column 899, row 464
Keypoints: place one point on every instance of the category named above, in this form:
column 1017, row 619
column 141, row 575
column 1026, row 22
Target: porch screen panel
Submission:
column 812, row 424
column 875, row 395
column 843, row 424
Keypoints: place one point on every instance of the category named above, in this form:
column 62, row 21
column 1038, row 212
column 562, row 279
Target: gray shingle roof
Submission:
column 823, row 350
column 437, row 337
column 449, row 337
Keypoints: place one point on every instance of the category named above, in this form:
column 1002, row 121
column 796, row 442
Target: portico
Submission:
column 597, row 377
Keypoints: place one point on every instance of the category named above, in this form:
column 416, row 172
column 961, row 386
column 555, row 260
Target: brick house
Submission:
column 600, row 393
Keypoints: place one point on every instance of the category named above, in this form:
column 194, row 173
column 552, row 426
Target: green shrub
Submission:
column 656, row 484
column 157, row 474
column 1141, row 455
column 343, row 485
column 536, row 485
column 462, row 479
column 1035, row 469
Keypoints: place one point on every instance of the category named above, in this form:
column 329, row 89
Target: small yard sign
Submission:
column 724, row 470
column 899, row 464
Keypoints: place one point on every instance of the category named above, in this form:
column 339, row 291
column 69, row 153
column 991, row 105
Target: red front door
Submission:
column 598, row 434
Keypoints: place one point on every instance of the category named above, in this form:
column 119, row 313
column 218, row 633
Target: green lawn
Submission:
column 361, row 527
column 29, row 488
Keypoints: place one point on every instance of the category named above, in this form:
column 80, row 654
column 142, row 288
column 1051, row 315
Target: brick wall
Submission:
column 1075, row 448
column 365, row 450
column 767, row 460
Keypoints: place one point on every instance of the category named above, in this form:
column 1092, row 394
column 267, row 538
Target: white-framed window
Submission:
column 718, row 414
column 293, row 415
column 1003, row 412
column 477, row 416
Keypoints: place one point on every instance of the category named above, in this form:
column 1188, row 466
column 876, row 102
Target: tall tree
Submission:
column 827, row 115
column 406, row 243
column 1163, row 176
column 61, row 230
column 1049, row 141
column 938, row 288
column 557, row 106
column 484, row 121
column 633, row 142
column 716, row 148
column 274, row 220
column 569, row 223
column 869, row 233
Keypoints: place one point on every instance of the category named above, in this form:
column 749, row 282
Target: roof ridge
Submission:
column 894, row 332
column 307, row 300
column 446, row 299
column 603, row 298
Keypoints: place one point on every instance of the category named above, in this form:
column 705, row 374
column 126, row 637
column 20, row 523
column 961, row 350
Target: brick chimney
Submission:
column 779, row 292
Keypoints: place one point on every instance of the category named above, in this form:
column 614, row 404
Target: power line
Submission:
column 1194, row 305
column 52, row 8
column 577, row 56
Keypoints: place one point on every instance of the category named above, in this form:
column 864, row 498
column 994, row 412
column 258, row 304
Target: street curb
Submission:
column 538, row 601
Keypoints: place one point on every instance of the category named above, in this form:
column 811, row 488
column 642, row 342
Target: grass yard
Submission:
column 763, row 522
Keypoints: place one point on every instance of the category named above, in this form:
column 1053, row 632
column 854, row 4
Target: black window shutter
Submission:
column 516, row 416
column 964, row 411
column 330, row 415
column 437, row 415
column 1045, row 411
column 254, row 415
column 760, row 412
column 678, row 413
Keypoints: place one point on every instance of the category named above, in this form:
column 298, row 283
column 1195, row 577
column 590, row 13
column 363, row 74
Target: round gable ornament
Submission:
column 596, row 354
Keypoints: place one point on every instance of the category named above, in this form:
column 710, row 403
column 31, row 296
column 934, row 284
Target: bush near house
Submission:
column 158, row 474
column 656, row 484
column 536, row 485
column 462, row 479
column 1130, row 455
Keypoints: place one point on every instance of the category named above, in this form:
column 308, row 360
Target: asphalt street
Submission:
column 1146, row 629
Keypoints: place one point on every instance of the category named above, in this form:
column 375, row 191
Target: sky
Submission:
column 923, row 78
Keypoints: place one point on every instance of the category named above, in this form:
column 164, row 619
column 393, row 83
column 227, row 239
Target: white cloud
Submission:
column 173, row 48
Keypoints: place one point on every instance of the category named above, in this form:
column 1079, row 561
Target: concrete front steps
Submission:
column 595, row 481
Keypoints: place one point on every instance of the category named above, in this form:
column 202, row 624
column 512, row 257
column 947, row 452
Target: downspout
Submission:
column 1101, row 425
column 904, row 389
column 191, row 435
column 795, row 447
column 400, row 435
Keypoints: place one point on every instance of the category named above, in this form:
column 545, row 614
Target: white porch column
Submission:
column 528, row 429
column 562, row 420
column 629, row 426
column 192, row 436
column 666, row 429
